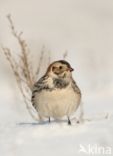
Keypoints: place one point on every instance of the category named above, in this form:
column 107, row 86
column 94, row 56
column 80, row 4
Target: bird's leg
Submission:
column 69, row 122
column 49, row 120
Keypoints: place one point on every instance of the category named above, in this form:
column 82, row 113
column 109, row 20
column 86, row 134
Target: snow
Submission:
column 85, row 29
column 53, row 139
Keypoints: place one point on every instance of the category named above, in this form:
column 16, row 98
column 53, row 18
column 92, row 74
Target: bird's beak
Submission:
column 71, row 69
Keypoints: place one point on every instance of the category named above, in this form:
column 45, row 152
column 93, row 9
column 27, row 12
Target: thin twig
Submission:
column 65, row 55
column 24, row 52
column 40, row 61
column 22, row 67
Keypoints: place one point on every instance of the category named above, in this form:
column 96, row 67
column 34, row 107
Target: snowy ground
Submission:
column 55, row 139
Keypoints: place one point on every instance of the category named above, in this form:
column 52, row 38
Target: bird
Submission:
column 56, row 94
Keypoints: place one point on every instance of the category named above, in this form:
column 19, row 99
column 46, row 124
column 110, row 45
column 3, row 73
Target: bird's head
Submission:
column 60, row 69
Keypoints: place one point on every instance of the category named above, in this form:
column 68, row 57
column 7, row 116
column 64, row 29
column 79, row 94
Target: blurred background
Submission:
column 84, row 28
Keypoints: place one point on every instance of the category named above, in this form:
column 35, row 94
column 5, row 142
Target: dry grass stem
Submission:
column 24, row 54
column 65, row 55
column 22, row 67
column 40, row 61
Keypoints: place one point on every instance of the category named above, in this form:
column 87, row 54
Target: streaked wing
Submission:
column 75, row 87
column 38, row 87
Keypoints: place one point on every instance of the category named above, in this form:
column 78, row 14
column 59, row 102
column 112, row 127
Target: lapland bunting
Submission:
column 56, row 94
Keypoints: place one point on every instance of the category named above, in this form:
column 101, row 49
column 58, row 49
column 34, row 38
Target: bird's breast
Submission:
column 58, row 102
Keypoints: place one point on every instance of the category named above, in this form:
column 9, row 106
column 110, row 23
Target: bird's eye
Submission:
column 60, row 67
column 53, row 68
